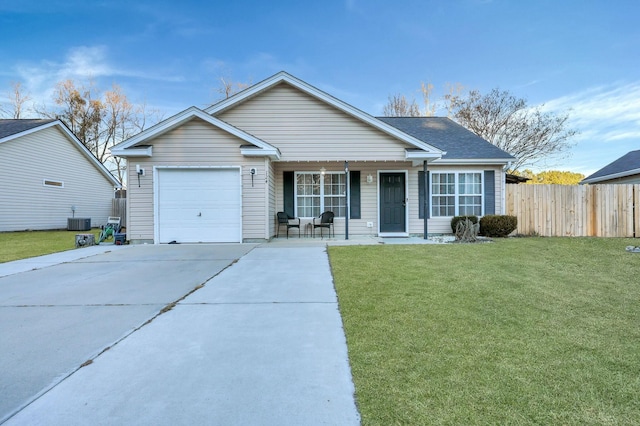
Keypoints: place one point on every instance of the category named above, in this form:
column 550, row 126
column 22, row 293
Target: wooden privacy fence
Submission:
column 575, row 210
column 119, row 208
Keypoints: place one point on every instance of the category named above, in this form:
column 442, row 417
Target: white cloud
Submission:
column 81, row 63
column 607, row 113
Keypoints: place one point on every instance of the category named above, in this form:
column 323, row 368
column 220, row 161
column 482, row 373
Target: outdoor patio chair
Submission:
column 324, row 221
column 288, row 221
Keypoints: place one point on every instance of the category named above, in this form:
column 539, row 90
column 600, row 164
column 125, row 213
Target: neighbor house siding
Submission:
column 195, row 144
column 306, row 129
column 25, row 203
column 622, row 180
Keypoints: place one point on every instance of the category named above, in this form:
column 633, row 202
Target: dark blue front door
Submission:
column 392, row 202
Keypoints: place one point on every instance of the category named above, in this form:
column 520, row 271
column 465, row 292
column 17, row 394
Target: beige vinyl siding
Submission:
column 369, row 193
column 195, row 144
column 306, row 129
column 272, row 210
column 437, row 225
column 25, row 203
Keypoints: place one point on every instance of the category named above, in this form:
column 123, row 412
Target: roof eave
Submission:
column 138, row 151
column 619, row 175
column 472, row 161
column 179, row 119
column 273, row 154
column 423, row 155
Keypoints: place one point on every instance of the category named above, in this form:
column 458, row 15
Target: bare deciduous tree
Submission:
column 399, row 106
column 100, row 120
column 229, row 88
column 17, row 99
column 527, row 133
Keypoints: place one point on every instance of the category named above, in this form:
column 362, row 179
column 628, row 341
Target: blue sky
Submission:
column 582, row 55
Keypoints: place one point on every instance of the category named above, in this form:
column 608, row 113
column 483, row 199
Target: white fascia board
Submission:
column 145, row 151
column 325, row 97
column 423, row 155
column 274, row 154
column 612, row 176
column 83, row 149
column 468, row 161
column 171, row 123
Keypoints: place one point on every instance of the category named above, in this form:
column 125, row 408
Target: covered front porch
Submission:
column 368, row 198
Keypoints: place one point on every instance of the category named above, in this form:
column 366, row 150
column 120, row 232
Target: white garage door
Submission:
column 199, row 205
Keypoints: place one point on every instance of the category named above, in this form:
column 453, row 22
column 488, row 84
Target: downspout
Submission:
column 503, row 189
column 425, row 190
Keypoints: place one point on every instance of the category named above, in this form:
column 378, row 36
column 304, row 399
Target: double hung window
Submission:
column 456, row 194
column 316, row 193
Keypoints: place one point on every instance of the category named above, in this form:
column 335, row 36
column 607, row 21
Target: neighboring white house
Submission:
column 221, row 174
column 48, row 176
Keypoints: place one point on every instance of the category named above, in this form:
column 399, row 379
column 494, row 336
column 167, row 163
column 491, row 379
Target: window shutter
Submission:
column 288, row 187
column 354, row 195
column 489, row 192
column 421, row 195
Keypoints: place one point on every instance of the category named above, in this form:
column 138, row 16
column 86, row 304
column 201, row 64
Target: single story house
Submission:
column 48, row 176
column 625, row 169
column 221, row 174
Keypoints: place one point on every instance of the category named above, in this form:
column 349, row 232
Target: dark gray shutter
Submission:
column 489, row 192
column 354, row 195
column 421, row 200
column 288, row 187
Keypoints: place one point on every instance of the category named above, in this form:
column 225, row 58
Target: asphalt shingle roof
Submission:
column 447, row 135
column 14, row 126
column 629, row 161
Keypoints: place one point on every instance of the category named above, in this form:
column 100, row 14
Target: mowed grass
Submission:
column 519, row 331
column 25, row 244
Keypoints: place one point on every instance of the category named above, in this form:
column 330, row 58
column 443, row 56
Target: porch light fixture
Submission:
column 322, row 171
column 369, row 178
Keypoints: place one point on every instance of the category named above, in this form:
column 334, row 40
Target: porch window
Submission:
column 456, row 194
column 316, row 193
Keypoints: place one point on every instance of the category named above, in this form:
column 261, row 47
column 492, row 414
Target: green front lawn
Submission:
column 519, row 331
column 24, row 244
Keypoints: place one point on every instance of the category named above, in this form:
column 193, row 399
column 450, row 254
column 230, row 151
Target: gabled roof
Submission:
column 16, row 128
column 282, row 77
column 134, row 146
column 460, row 144
column 627, row 165
column 10, row 128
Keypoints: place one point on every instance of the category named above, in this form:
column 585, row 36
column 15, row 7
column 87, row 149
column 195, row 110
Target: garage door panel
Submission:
column 199, row 205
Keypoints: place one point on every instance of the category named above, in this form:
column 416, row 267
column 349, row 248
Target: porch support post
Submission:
column 346, row 215
column 425, row 188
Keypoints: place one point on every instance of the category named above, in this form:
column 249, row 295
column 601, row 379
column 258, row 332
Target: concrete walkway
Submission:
column 260, row 343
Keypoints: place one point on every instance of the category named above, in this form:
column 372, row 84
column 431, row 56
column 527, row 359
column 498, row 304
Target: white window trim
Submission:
column 456, row 194
column 322, row 195
column 52, row 183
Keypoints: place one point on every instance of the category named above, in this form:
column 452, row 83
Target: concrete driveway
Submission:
column 260, row 342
